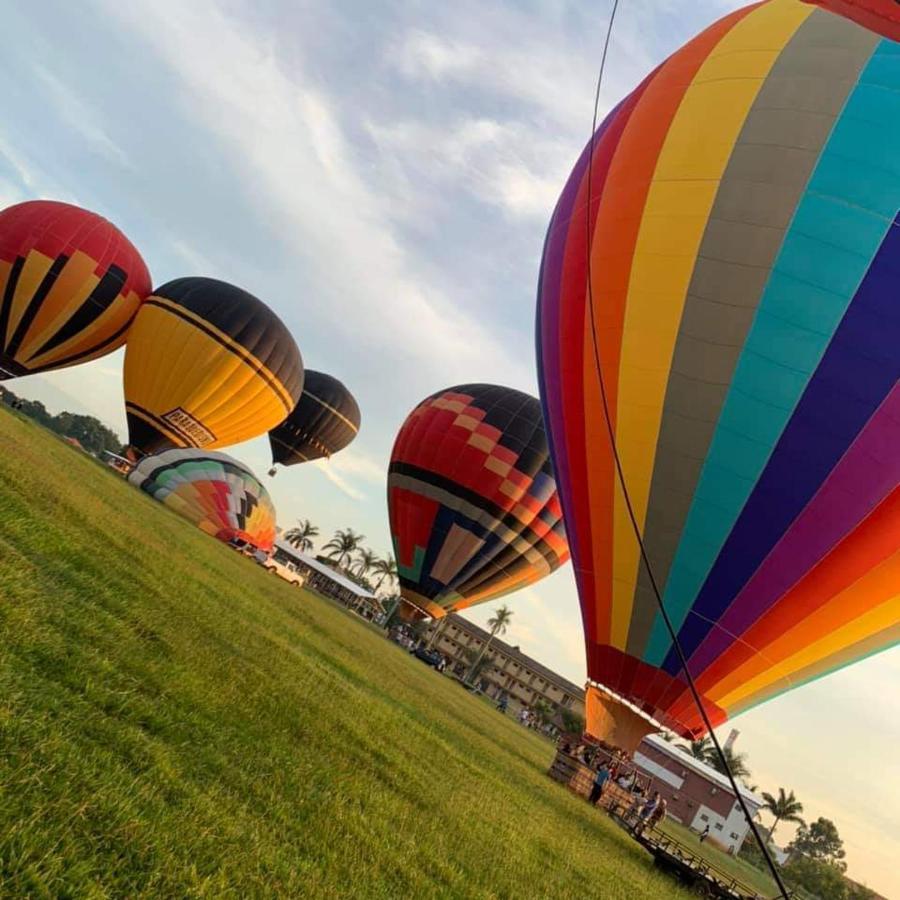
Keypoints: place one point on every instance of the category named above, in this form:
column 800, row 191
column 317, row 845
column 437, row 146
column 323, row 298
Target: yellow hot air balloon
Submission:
column 207, row 365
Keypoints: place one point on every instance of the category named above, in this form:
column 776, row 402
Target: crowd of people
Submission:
column 645, row 810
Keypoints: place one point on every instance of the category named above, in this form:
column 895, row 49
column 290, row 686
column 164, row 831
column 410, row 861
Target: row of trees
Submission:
column 91, row 433
column 817, row 859
column 347, row 551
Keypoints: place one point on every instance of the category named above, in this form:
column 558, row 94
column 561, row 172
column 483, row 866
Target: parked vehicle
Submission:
column 431, row 657
column 288, row 571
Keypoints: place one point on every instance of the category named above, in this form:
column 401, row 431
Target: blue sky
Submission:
column 382, row 174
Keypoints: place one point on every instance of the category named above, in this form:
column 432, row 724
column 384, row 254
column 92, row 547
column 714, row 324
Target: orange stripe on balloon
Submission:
column 615, row 234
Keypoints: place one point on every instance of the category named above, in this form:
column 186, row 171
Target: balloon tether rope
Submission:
column 682, row 659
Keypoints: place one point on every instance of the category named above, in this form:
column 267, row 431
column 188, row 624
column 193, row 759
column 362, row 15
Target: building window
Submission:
column 735, row 837
column 719, row 826
column 713, row 791
column 704, row 817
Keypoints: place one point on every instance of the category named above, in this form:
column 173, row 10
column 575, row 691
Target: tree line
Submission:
column 348, row 554
column 90, row 432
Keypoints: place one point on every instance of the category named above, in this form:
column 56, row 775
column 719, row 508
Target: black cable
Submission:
column 682, row 659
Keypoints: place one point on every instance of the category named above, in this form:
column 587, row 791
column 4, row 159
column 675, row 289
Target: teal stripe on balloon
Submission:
column 850, row 202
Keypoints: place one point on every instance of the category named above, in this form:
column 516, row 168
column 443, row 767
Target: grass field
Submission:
column 176, row 724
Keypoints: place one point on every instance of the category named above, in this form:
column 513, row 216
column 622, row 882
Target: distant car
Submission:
column 432, row 657
column 287, row 571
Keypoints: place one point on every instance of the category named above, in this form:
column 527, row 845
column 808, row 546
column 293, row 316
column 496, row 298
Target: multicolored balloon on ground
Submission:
column 325, row 420
column 212, row 490
column 744, row 247
column 207, row 365
column 70, row 284
column 473, row 505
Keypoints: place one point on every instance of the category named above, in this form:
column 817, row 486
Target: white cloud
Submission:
column 502, row 164
column 529, row 69
column 9, row 194
column 80, row 117
column 198, row 262
column 345, row 469
column 301, row 173
column 421, row 53
column 36, row 182
column 341, row 483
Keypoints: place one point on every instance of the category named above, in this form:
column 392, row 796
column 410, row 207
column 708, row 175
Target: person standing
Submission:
column 600, row 780
column 704, row 834
column 646, row 812
column 658, row 814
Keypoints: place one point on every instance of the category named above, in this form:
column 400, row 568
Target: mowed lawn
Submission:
column 176, row 723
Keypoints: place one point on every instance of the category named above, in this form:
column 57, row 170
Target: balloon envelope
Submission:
column 207, row 365
column 881, row 16
column 472, row 501
column 325, row 420
column 744, row 278
column 215, row 492
column 70, row 284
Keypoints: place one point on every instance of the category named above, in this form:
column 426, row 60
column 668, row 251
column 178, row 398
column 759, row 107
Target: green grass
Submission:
column 174, row 723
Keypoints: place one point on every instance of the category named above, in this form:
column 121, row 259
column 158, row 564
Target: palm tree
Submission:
column 478, row 665
column 737, row 762
column 699, row 749
column 498, row 623
column 784, row 807
column 343, row 545
column 365, row 560
column 301, row 536
column 386, row 570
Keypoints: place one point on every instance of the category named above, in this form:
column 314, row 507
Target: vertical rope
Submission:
column 682, row 659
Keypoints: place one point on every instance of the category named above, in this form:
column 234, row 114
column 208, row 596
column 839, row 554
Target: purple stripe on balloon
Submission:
column 862, row 479
column 858, row 370
column 548, row 325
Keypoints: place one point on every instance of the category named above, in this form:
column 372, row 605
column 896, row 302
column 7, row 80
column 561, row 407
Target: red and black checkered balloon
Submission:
column 472, row 500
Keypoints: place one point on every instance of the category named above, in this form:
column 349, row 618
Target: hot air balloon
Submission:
column 325, row 420
column 70, row 284
column 473, row 505
column 207, row 365
column 740, row 233
column 212, row 490
column 881, row 16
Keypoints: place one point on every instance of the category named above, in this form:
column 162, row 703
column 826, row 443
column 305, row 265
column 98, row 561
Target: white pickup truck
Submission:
column 287, row 571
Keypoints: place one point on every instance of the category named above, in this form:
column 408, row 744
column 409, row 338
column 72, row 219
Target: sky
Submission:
column 382, row 174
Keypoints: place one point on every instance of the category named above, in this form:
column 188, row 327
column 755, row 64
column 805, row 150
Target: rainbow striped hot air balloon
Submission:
column 215, row 492
column 882, row 16
column 744, row 308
